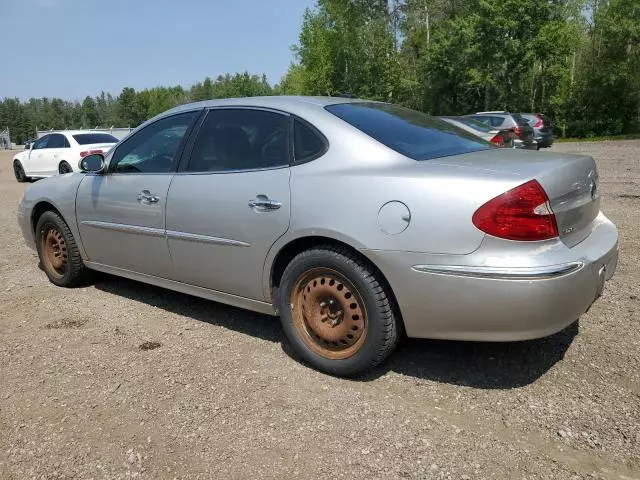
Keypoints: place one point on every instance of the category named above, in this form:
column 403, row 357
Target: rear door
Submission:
column 121, row 213
column 230, row 202
column 54, row 153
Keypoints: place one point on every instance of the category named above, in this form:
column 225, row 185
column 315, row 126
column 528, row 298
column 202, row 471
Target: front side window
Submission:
column 411, row 133
column 154, row 149
column 41, row 142
column 307, row 143
column 241, row 139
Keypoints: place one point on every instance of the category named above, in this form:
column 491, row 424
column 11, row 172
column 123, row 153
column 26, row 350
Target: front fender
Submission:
column 59, row 192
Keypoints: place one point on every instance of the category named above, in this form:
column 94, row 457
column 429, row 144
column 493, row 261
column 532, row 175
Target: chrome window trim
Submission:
column 508, row 273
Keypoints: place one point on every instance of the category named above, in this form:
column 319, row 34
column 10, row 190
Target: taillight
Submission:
column 86, row 153
column 522, row 213
column 517, row 130
column 498, row 140
column 539, row 123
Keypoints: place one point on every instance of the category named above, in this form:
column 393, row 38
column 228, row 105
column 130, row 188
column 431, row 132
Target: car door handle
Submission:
column 262, row 203
column 146, row 197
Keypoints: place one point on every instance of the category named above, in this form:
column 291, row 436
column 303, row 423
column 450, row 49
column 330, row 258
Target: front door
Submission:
column 36, row 166
column 120, row 213
column 231, row 202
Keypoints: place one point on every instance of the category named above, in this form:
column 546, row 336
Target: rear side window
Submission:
column 241, row 139
column 411, row 133
column 56, row 141
column 89, row 138
column 308, row 144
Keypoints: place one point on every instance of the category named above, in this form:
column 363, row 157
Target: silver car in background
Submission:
column 500, row 138
column 542, row 126
column 523, row 132
column 354, row 221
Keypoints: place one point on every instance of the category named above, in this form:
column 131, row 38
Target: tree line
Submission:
column 577, row 61
column 129, row 109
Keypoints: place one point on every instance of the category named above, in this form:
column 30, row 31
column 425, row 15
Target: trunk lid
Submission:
column 105, row 147
column 570, row 181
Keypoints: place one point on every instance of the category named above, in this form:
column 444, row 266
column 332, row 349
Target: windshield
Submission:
column 90, row 138
column 411, row 133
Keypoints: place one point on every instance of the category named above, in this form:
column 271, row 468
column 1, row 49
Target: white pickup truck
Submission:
column 59, row 153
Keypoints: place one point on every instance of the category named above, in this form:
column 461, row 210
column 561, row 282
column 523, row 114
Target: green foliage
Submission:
column 577, row 62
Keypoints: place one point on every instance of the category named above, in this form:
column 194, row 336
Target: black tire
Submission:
column 72, row 272
column 64, row 167
column 19, row 172
column 382, row 329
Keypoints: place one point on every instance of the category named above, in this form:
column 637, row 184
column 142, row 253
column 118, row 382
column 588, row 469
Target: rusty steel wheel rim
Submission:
column 54, row 251
column 328, row 313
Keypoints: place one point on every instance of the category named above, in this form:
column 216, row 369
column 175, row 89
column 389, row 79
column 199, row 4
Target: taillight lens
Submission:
column 517, row 130
column 86, row 153
column 522, row 213
column 498, row 140
column 539, row 123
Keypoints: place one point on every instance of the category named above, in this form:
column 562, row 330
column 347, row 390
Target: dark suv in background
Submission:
column 510, row 121
column 542, row 128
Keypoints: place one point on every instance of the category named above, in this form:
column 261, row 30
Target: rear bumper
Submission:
column 477, row 301
column 525, row 145
column 544, row 141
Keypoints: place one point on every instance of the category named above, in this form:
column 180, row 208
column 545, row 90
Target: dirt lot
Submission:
column 85, row 393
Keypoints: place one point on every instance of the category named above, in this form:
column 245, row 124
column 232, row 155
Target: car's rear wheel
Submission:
column 337, row 312
column 64, row 167
column 18, row 171
column 58, row 252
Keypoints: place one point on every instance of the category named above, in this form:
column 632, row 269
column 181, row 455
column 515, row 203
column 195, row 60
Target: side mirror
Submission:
column 92, row 163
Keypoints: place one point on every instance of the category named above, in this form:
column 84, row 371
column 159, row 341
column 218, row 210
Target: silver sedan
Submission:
column 354, row 221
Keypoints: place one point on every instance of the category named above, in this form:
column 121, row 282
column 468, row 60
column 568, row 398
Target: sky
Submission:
column 74, row 48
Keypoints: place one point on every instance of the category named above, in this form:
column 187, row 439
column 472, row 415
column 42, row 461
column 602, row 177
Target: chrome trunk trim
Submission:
column 510, row 273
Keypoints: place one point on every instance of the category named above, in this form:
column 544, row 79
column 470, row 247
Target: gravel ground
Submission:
column 123, row 380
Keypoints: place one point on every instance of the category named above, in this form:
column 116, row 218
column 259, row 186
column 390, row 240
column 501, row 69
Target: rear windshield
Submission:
column 519, row 119
column 473, row 123
column 89, row 138
column 413, row 134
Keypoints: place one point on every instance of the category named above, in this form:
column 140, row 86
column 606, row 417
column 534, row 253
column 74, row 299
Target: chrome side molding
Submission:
column 193, row 237
column 511, row 273
column 159, row 232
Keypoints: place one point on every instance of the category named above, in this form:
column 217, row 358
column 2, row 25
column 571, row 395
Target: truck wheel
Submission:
column 336, row 312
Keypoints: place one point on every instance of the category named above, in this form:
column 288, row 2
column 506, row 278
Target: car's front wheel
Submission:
column 337, row 312
column 58, row 252
column 18, row 171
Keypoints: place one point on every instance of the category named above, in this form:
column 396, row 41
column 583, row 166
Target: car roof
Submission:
column 493, row 112
column 76, row 132
column 279, row 102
